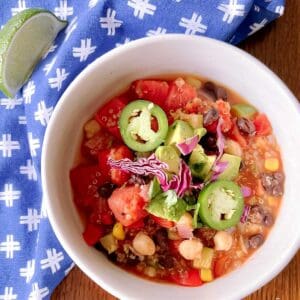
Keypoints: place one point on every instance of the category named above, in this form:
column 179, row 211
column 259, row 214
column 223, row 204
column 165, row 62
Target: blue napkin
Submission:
column 32, row 262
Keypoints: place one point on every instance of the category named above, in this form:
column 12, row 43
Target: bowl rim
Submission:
column 278, row 265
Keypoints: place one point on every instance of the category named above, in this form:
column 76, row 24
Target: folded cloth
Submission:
column 32, row 262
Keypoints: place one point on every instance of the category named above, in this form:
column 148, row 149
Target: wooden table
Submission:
column 278, row 46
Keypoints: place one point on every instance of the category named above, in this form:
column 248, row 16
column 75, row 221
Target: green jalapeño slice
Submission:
column 135, row 125
column 221, row 204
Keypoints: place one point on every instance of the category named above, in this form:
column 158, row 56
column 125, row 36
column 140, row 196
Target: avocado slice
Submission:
column 178, row 132
column 233, row 167
column 169, row 155
column 154, row 188
column 200, row 163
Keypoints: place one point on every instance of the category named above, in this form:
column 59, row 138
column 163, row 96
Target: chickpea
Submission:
column 223, row 241
column 143, row 244
column 190, row 249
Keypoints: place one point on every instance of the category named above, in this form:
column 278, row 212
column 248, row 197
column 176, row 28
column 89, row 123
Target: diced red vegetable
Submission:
column 212, row 127
column 154, row 90
column 118, row 176
column 221, row 265
column 189, row 278
column 127, row 205
column 223, row 108
column 163, row 222
column 101, row 213
column 85, row 179
column 108, row 115
column 137, row 225
column 262, row 125
column 93, row 233
column 180, row 94
column 235, row 134
column 102, row 140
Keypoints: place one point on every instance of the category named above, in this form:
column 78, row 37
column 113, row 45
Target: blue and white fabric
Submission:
column 32, row 262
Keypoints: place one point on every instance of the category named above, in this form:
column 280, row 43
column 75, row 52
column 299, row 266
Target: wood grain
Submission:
column 278, row 46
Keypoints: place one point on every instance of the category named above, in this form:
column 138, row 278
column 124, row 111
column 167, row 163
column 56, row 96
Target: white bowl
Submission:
column 109, row 75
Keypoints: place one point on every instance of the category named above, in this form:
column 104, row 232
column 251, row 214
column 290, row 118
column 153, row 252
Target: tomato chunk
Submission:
column 180, row 94
column 163, row 222
column 262, row 125
column 153, row 90
column 222, row 265
column 235, row 134
column 85, row 179
column 102, row 140
column 119, row 177
column 127, row 205
column 189, row 278
column 108, row 115
column 101, row 213
column 223, row 108
column 93, row 233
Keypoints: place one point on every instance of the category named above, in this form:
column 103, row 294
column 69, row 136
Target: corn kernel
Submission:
column 118, row 231
column 206, row 275
column 272, row 164
column 272, row 201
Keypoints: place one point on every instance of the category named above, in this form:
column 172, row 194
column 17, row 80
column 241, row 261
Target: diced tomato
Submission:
column 262, row 125
column 137, row 225
column 103, row 156
column 85, row 179
column 163, row 222
column 189, row 278
column 119, row 177
column 174, row 246
column 127, row 205
column 212, row 127
column 153, row 90
column 180, row 94
column 85, row 202
column 223, row 108
column 235, row 134
column 100, row 141
column 108, row 115
column 101, row 213
column 221, row 265
column 93, row 233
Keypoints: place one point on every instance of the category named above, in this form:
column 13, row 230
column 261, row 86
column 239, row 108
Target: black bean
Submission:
column 221, row 93
column 210, row 117
column 166, row 261
column 256, row 214
column 217, row 92
column 273, row 183
column 245, row 126
column 206, row 235
column 209, row 143
column 256, row 240
column 268, row 219
column 106, row 189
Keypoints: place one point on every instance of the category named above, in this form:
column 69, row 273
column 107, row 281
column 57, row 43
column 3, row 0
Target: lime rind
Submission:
column 14, row 66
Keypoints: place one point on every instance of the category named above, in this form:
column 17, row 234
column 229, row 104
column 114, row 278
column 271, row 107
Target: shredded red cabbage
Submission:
column 245, row 214
column 246, row 191
column 187, row 146
column 218, row 168
column 152, row 166
column 143, row 166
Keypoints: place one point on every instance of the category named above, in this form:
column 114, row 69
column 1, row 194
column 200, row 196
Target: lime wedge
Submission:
column 23, row 41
